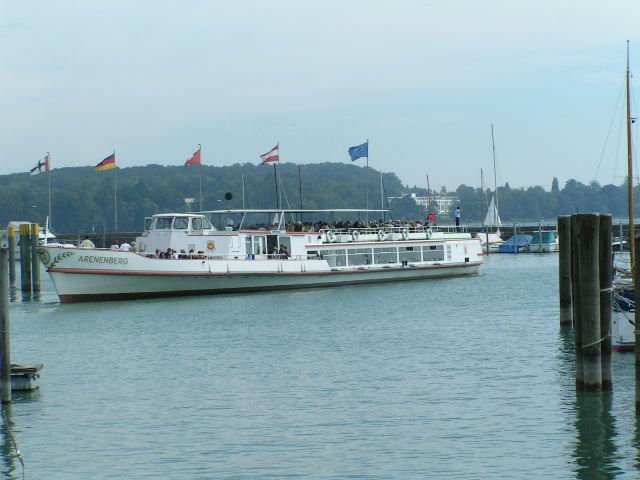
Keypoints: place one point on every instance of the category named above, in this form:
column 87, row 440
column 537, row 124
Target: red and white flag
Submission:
column 272, row 155
column 195, row 158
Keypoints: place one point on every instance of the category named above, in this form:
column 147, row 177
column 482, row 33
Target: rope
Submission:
column 597, row 341
column 13, row 440
column 606, row 290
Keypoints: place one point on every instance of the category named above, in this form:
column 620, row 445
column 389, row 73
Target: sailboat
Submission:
column 622, row 322
column 491, row 241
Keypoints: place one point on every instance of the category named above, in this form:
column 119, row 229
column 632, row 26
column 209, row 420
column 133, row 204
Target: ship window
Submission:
column 181, row 223
column 335, row 258
column 385, row 255
column 360, row 256
column 206, row 224
column 433, row 253
column 163, row 223
column 409, row 254
column 196, row 223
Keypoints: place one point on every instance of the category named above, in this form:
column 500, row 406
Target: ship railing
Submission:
column 381, row 232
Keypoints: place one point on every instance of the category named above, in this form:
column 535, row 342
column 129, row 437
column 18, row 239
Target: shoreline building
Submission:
column 443, row 204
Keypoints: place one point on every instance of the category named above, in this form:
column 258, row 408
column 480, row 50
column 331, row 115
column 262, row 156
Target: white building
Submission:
column 443, row 204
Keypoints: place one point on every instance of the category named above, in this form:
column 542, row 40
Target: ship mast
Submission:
column 630, row 169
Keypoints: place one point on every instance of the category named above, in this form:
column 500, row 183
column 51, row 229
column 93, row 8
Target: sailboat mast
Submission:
column 495, row 181
column 428, row 194
column 630, row 168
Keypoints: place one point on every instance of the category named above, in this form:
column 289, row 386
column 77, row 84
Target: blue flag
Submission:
column 359, row 151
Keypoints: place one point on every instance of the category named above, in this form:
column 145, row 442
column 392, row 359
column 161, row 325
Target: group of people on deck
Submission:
column 171, row 254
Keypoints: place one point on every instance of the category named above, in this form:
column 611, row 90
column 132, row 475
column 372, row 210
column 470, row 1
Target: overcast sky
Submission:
column 423, row 80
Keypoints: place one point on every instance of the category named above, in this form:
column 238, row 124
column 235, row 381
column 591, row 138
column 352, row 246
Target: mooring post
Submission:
column 575, row 299
column 25, row 257
column 590, row 301
column 606, row 293
column 11, row 241
column 35, row 259
column 515, row 239
column 539, row 237
column 564, row 268
column 5, row 355
column 636, row 282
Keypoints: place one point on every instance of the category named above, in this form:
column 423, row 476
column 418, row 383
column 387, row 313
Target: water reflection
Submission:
column 595, row 451
column 12, row 466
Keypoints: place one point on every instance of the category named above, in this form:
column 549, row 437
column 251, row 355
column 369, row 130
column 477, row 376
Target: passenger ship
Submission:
column 245, row 260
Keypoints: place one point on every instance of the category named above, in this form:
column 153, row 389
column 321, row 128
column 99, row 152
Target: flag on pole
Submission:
column 272, row 155
column 359, row 151
column 41, row 166
column 195, row 158
column 107, row 164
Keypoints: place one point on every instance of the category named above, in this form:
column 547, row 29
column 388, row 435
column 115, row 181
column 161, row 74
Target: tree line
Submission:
column 82, row 200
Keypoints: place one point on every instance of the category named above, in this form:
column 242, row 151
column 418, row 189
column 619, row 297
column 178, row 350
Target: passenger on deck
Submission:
column 86, row 243
column 115, row 245
column 125, row 246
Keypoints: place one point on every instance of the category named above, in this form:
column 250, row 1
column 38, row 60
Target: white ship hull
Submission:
column 92, row 275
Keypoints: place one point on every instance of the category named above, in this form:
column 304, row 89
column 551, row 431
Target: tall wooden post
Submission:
column 575, row 299
column 35, row 259
column 11, row 237
column 564, row 268
column 636, row 282
column 5, row 355
column 606, row 293
column 25, row 257
column 589, row 277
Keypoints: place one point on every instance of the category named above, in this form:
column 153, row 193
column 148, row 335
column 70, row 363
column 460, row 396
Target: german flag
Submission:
column 107, row 164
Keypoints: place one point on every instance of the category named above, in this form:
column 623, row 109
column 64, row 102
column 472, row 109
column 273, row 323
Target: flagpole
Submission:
column 300, row 188
column 48, row 226
column 381, row 195
column 200, row 173
column 366, row 179
column 275, row 178
column 242, row 173
column 115, row 193
column 279, row 180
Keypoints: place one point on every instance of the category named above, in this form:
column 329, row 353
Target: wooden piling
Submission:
column 5, row 356
column 515, row 239
column 606, row 294
column 35, row 259
column 11, row 241
column 25, row 257
column 564, row 269
column 636, row 282
column 575, row 299
column 589, row 278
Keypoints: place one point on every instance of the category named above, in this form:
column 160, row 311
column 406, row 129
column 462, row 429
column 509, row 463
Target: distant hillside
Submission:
column 83, row 199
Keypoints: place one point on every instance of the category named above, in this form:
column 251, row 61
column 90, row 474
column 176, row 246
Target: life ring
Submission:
column 405, row 234
column 429, row 233
column 331, row 236
column 380, row 235
column 211, row 245
column 355, row 235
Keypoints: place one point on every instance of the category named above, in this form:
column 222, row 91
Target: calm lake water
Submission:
column 466, row 378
